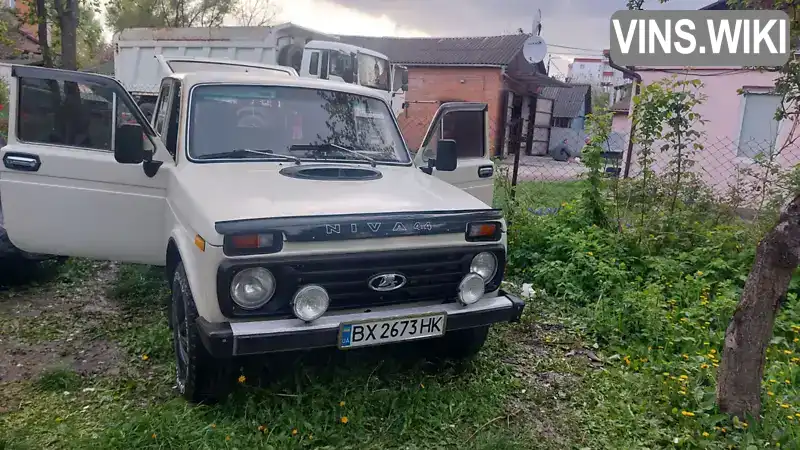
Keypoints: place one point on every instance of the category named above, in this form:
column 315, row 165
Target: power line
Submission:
column 576, row 48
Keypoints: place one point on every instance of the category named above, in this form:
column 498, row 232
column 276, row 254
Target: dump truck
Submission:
column 310, row 53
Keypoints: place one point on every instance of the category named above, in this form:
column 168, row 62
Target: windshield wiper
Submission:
column 327, row 145
column 244, row 152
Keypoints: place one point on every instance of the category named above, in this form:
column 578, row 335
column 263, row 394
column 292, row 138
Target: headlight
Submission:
column 485, row 265
column 252, row 288
column 471, row 289
column 310, row 302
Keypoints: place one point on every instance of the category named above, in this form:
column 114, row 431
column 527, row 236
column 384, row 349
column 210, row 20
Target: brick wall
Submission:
column 473, row 84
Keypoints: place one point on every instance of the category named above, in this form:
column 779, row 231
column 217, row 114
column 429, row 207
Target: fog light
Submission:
column 252, row 288
column 485, row 265
column 471, row 289
column 310, row 302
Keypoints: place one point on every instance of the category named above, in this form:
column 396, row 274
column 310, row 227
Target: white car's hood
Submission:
column 236, row 191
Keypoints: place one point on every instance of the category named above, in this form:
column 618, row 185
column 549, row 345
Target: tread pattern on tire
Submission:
column 208, row 380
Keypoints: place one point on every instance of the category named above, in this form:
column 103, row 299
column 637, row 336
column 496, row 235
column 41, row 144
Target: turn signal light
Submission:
column 484, row 231
column 251, row 244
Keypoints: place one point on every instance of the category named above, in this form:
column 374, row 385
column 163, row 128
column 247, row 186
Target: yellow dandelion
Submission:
column 344, row 419
column 242, row 379
column 797, row 414
column 227, row 438
column 784, row 406
column 684, row 319
column 772, row 381
column 294, row 432
column 787, row 352
column 699, row 273
column 796, row 340
column 790, row 417
column 685, row 356
column 145, row 357
column 154, row 436
column 213, row 425
column 716, row 365
column 705, row 434
column 770, row 393
column 590, row 253
column 744, row 424
column 687, row 414
column 704, row 366
column 341, row 403
column 788, row 382
column 683, row 377
column 713, row 351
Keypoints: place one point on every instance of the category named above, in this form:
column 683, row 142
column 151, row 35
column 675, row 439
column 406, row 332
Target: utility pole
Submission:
column 549, row 60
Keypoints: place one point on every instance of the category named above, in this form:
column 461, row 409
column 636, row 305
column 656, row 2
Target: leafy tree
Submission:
column 121, row 14
column 81, row 42
column 777, row 257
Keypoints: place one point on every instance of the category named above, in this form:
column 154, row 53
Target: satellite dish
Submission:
column 534, row 49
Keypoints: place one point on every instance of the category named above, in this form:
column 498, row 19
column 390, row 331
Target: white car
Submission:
column 288, row 213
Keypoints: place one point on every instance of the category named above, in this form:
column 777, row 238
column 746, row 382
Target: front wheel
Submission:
column 200, row 377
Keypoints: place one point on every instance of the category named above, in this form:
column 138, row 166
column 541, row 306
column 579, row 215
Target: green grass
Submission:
column 391, row 398
column 543, row 194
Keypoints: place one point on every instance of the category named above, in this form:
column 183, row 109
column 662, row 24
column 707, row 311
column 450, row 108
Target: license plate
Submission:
column 376, row 332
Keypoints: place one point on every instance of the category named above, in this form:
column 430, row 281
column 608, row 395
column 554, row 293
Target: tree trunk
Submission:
column 68, row 20
column 750, row 330
column 44, row 39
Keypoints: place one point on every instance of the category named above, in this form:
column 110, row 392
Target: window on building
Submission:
column 759, row 129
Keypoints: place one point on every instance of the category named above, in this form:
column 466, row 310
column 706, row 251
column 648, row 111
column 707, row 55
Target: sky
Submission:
column 580, row 24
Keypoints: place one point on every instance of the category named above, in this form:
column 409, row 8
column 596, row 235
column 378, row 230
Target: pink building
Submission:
column 739, row 112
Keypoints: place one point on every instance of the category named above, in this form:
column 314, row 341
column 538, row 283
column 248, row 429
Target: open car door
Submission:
column 183, row 64
column 62, row 190
column 467, row 124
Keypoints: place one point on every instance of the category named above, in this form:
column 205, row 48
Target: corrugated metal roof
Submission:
column 623, row 105
column 481, row 50
column 567, row 101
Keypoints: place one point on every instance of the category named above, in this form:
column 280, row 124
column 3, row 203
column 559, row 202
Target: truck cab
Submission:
column 288, row 213
column 336, row 61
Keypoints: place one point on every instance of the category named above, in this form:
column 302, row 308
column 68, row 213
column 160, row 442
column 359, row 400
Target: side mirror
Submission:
column 405, row 81
column 446, row 156
column 129, row 144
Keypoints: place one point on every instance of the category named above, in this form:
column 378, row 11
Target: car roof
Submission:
column 207, row 77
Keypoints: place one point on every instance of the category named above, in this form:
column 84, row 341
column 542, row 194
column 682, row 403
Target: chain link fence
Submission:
column 749, row 174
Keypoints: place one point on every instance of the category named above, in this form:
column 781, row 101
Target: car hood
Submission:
column 236, row 191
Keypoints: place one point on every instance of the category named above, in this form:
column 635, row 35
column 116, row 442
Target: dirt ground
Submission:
column 48, row 323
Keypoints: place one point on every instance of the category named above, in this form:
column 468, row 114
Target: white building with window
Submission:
column 594, row 71
column 739, row 114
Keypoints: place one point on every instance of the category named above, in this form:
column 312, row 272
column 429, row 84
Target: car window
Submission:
column 163, row 109
column 287, row 120
column 69, row 114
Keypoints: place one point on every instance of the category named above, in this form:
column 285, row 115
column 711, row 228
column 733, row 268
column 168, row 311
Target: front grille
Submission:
column 430, row 275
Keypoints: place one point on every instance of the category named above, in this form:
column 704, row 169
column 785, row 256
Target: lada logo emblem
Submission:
column 385, row 282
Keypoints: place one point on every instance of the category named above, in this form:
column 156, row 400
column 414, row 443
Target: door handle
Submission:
column 25, row 162
column 485, row 171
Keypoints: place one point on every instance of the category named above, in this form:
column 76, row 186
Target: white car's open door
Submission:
column 183, row 64
column 467, row 124
column 63, row 191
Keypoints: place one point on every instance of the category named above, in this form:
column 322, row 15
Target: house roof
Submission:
column 623, row 105
column 719, row 5
column 21, row 44
column 435, row 51
column 567, row 101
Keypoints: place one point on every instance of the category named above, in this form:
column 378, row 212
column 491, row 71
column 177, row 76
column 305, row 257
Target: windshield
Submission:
column 373, row 72
column 291, row 121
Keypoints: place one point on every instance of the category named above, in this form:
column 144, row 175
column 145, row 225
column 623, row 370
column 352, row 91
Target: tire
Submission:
column 200, row 378
column 463, row 344
column 147, row 109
